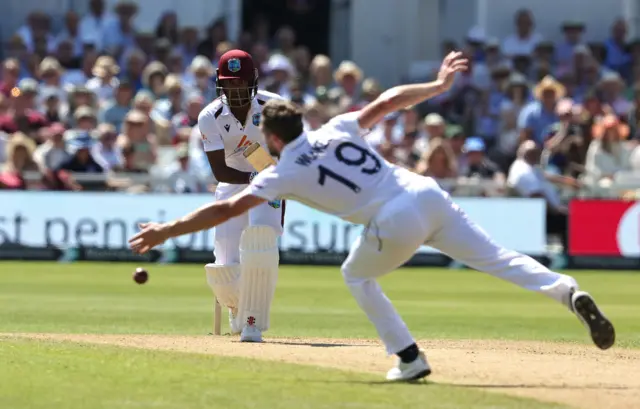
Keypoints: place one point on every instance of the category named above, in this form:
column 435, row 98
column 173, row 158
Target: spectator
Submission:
column 71, row 33
column 617, row 57
column 439, row 163
column 115, row 110
column 119, row 33
column 85, row 119
column 135, row 60
column 188, row 43
column 611, row 87
column 19, row 152
column 80, row 96
column 301, row 61
column 347, row 76
column 175, row 64
column 524, row 40
column 162, row 50
column 370, row 91
column 526, row 179
column 105, row 81
column 52, row 108
column 188, row 118
column 93, row 25
column 222, row 48
column 572, row 31
column 435, row 126
column 320, row 72
column 297, row 92
column 216, row 33
column 50, row 73
column 105, row 149
column 37, row 31
column 537, row 116
column 202, row 72
column 10, row 76
column 314, row 116
column 167, row 108
column 181, row 176
column 455, row 139
column 477, row 165
column 607, row 153
column 168, row 27
column 286, row 42
column 135, row 133
column 280, row 73
column 52, row 153
column 81, row 159
column 24, row 117
column 129, row 159
column 153, row 78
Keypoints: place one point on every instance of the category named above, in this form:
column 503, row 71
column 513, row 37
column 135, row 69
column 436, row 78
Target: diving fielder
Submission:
column 334, row 170
column 242, row 281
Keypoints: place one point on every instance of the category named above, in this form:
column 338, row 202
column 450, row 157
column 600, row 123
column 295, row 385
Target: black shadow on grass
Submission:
column 534, row 386
column 308, row 344
column 315, row 344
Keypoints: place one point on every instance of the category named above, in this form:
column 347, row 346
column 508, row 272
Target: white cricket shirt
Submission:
column 221, row 130
column 334, row 170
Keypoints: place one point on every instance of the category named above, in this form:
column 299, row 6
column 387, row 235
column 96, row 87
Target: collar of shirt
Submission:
column 255, row 107
column 293, row 145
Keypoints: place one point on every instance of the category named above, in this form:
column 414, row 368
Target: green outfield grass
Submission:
column 310, row 302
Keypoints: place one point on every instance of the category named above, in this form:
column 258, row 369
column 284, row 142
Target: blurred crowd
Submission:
column 100, row 105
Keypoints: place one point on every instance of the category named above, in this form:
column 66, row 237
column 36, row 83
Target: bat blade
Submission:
column 258, row 157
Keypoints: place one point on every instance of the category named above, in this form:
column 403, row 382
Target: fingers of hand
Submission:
column 459, row 65
column 452, row 56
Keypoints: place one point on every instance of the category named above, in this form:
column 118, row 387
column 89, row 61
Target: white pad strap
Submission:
column 259, row 259
column 224, row 280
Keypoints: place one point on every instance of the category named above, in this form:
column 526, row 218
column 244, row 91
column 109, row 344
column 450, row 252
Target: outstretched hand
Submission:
column 151, row 234
column 452, row 63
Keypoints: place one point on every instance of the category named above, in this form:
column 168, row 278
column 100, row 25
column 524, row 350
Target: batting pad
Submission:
column 224, row 281
column 259, row 259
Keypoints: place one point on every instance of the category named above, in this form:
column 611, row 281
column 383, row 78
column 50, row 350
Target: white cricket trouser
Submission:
column 425, row 214
column 227, row 235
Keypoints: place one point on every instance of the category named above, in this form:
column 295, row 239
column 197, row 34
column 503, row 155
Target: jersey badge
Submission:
column 227, row 127
column 256, row 119
column 234, row 65
column 275, row 204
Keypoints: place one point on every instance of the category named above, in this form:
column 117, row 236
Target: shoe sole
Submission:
column 419, row 375
column 602, row 332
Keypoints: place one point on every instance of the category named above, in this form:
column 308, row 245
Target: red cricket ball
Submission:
column 140, row 276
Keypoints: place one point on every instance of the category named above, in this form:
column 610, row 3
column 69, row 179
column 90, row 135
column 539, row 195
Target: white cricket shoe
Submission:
column 412, row 371
column 233, row 323
column 250, row 333
column 601, row 329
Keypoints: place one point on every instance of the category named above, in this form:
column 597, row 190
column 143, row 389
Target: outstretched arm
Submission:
column 402, row 96
column 206, row 217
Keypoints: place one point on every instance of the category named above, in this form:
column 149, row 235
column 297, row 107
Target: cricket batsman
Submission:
column 243, row 277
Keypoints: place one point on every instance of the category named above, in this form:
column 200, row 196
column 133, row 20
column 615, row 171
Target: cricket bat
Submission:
column 258, row 157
